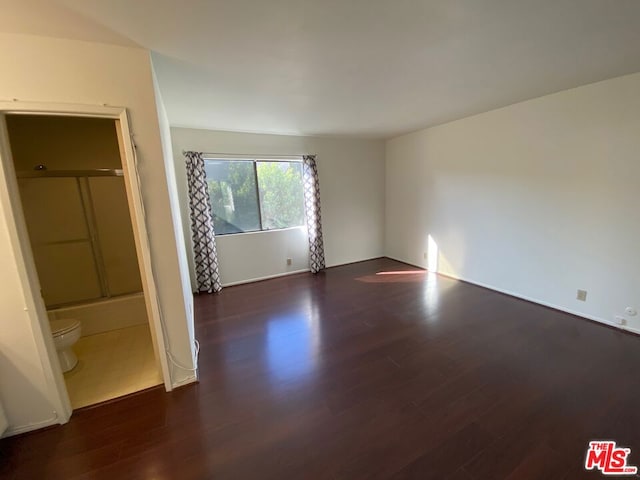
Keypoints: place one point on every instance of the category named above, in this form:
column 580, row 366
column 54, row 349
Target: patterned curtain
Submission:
column 204, row 241
column 312, row 210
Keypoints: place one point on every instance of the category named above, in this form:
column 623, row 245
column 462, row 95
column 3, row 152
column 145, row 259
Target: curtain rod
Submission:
column 251, row 155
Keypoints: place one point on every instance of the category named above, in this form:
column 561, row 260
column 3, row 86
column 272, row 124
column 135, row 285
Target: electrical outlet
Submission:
column 632, row 312
column 620, row 320
column 289, row 261
column 582, row 295
column 425, row 255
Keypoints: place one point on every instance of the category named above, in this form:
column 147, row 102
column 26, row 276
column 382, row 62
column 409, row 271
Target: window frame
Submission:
column 255, row 160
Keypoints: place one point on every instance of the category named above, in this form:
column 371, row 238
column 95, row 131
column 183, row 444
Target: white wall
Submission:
column 74, row 72
column 26, row 385
column 257, row 255
column 176, row 332
column 538, row 199
column 351, row 176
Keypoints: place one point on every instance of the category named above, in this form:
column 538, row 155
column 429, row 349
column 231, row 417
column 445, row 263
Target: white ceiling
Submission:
column 366, row 67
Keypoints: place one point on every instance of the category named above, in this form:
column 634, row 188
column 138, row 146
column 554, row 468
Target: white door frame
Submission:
column 11, row 204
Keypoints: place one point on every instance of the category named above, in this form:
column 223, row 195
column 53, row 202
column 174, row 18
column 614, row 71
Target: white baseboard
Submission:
column 284, row 274
column 351, row 262
column 529, row 299
column 185, row 381
column 267, row 277
column 17, row 430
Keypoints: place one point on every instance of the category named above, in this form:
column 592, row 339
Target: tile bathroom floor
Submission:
column 112, row 364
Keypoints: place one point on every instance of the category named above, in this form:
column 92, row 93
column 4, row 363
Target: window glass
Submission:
column 281, row 195
column 233, row 194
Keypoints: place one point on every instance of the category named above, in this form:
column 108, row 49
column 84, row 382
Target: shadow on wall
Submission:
column 33, row 399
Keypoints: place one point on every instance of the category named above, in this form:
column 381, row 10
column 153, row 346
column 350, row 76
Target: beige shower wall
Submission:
column 63, row 143
column 58, row 231
column 60, row 240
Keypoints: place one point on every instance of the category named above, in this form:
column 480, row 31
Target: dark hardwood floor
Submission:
column 360, row 372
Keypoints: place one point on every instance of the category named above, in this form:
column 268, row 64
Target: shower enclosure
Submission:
column 81, row 235
column 78, row 233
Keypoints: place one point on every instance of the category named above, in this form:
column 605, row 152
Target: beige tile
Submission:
column 112, row 364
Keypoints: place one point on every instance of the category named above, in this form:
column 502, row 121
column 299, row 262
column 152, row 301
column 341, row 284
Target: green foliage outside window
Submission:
column 234, row 198
column 281, row 195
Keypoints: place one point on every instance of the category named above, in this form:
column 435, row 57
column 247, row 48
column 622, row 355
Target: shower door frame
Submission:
column 19, row 237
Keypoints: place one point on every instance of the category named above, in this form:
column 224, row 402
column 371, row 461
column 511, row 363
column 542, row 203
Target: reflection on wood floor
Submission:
column 335, row 377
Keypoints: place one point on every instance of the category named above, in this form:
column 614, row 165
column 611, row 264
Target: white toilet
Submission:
column 66, row 332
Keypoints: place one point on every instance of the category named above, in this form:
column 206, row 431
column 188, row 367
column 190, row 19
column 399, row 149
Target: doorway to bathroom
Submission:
column 76, row 207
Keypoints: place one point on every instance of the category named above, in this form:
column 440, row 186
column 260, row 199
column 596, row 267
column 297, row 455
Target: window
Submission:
column 253, row 195
column 233, row 196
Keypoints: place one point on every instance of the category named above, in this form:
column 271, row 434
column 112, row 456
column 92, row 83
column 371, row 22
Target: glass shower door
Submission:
column 82, row 238
column 60, row 240
column 115, row 235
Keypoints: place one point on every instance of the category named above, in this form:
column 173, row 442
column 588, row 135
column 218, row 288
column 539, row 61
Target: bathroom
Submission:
column 75, row 205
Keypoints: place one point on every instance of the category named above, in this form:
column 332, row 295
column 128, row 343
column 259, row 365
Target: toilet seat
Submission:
column 63, row 325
